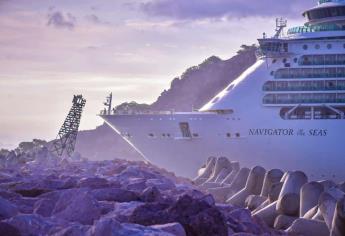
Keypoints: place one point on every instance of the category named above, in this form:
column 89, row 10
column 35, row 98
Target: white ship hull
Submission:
column 288, row 151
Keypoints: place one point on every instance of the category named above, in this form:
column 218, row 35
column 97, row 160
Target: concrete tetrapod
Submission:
column 327, row 204
column 288, row 204
column 293, row 183
column 338, row 224
column 254, row 201
column 272, row 196
column 268, row 214
column 271, row 177
column 221, row 194
column 282, row 222
column 311, row 213
column 253, row 186
column 327, row 184
column 308, row 227
column 310, row 194
column 235, row 167
column 221, row 163
column 206, row 173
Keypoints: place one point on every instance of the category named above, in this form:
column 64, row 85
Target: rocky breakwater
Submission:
column 41, row 194
column 284, row 201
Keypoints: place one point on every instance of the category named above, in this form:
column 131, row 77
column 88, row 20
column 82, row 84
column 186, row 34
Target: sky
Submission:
column 53, row 49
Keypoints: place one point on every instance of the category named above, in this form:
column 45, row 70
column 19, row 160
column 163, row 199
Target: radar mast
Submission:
column 280, row 25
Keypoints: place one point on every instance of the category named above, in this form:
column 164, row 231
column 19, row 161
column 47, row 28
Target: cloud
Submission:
column 216, row 9
column 60, row 20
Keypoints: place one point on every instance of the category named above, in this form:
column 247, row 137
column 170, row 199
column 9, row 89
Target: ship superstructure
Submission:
column 286, row 111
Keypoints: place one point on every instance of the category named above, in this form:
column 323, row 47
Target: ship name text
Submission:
column 288, row 132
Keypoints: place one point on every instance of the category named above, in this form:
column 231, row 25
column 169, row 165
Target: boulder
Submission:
column 7, row 209
column 31, row 224
column 111, row 227
column 114, row 194
column 8, row 230
column 172, row 228
column 44, row 207
column 73, row 230
column 93, row 182
column 82, row 208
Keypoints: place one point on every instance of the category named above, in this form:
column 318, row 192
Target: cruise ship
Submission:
column 286, row 111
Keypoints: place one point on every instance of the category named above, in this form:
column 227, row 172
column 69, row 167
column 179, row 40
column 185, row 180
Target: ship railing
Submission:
column 104, row 112
column 314, row 28
column 325, row 1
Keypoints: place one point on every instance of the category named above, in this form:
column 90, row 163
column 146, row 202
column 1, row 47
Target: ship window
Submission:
column 238, row 135
column 151, row 135
column 163, row 135
column 228, row 135
column 168, row 135
column 185, row 130
column 195, row 135
column 272, row 72
column 274, row 61
column 305, row 46
column 317, row 46
column 295, row 60
column 329, row 46
column 284, row 60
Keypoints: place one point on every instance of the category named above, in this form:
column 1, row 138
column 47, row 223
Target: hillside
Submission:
column 196, row 86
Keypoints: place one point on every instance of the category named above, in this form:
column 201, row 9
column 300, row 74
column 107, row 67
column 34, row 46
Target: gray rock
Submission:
column 173, row 228
column 93, row 182
column 7, row 209
column 8, row 230
column 44, row 207
column 73, row 230
column 82, row 208
column 114, row 194
column 151, row 194
column 31, row 224
column 110, row 227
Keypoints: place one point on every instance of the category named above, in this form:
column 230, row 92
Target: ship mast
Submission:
column 108, row 103
column 280, row 25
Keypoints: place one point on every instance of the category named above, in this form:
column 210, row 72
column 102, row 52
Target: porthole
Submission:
column 274, row 61
column 228, row 135
column 317, row 46
column 195, row 135
column 238, row 135
column 163, row 135
column 305, row 46
column 329, row 46
column 295, row 60
column 151, row 135
column 284, row 60
column 168, row 135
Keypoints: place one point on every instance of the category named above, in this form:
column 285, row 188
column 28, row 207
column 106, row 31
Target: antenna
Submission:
column 108, row 103
column 280, row 25
column 67, row 136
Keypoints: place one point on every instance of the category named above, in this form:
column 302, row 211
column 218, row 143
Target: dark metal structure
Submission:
column 67, row 136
